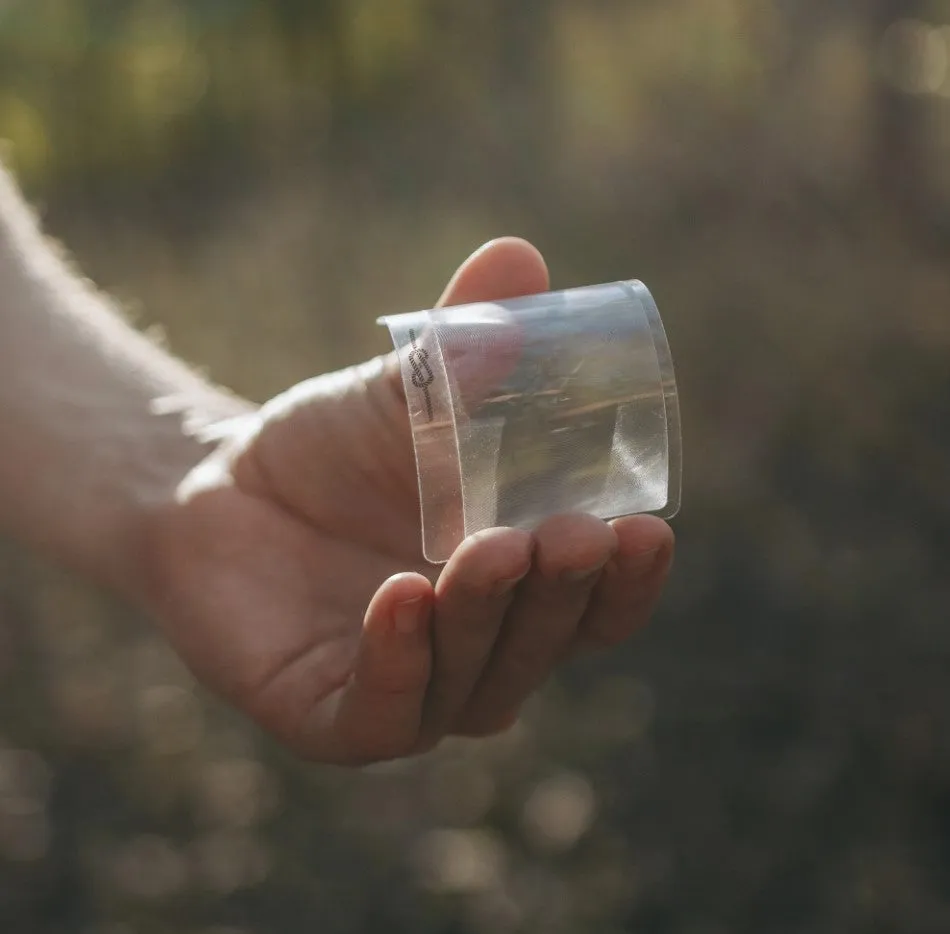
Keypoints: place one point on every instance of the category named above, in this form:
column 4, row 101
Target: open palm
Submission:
column 289, row 576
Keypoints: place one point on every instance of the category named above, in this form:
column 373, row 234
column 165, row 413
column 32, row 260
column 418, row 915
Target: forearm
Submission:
column 85, row 451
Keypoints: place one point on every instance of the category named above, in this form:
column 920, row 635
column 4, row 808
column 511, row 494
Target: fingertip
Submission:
column 518, row 252
column 501, row 547
column 506, row 267
column 643, row 533
column 646, row 541
column 572, row 542
column 487, row 557
column 405, row 587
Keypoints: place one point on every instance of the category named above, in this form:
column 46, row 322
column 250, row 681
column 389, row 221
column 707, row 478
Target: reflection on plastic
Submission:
column 522, row 409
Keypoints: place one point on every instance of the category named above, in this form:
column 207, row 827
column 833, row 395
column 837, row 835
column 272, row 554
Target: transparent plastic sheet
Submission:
column 526, row 408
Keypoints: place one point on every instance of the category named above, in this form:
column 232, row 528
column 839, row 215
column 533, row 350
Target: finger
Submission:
column 482, row 347
column 472, row 595
column 380, row 711
column 570, row 553
column 631, row 583
column 504, row 268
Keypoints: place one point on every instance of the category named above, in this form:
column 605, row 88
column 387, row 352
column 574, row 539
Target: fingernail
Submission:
column 583, row 575
column 507, row 584
column 407, row 616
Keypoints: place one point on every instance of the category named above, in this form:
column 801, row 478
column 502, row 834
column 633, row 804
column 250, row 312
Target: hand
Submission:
column 288, row 572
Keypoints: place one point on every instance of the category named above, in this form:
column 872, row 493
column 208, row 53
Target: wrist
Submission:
column 99, row 425
column 180, row 434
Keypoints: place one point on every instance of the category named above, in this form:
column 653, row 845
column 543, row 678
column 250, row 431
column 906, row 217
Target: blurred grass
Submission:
column 261, row 180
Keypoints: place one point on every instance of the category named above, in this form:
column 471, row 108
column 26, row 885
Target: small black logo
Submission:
column 422, row 375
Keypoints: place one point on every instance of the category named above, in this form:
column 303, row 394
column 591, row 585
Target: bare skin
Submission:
column 283, row 561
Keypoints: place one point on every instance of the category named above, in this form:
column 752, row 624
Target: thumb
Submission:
column 503, row 268
column 508, row 267
column 477, row 358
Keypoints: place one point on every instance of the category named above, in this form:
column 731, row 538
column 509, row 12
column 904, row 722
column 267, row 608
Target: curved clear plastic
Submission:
column 526, row 408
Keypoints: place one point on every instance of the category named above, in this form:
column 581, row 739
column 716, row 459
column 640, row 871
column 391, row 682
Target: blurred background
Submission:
column 257, row 180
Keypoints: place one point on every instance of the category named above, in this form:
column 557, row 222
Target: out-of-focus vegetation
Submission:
column 261, row 179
